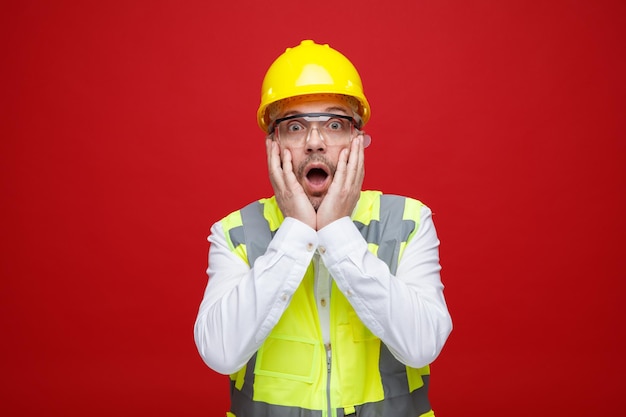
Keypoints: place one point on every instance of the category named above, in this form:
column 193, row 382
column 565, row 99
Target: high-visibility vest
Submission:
column 290, row 375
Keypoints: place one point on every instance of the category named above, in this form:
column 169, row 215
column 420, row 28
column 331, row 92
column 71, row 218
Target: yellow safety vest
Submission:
column 290, row 375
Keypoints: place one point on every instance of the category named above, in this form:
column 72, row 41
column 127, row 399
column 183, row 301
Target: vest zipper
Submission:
column 328, row 361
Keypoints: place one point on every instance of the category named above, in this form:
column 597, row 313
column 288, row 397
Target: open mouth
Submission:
column 316, row 176
column 317, row 179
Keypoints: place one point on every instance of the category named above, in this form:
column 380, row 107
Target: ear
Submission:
column 367, row 140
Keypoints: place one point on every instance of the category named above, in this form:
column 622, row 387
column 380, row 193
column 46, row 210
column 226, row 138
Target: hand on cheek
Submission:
column 345, row 190
column 290, row 197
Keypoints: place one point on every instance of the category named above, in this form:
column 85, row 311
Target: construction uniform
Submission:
column 342, row 321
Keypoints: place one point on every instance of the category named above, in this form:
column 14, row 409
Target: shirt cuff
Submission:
column 294, row 236
column 338, row 240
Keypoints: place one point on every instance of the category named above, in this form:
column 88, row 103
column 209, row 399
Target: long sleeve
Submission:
column 241, row 305
column 407, row 311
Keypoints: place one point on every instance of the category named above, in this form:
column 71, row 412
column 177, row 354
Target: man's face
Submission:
column 315, row 160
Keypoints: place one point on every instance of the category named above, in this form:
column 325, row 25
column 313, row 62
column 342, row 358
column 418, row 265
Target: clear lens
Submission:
column 333, row 128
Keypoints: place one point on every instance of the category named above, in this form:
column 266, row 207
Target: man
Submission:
column 323, row 300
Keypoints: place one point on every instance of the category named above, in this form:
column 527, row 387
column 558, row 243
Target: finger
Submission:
column 289, row 175
column 361, row 160
column 268, row 150
column 341, row 171
column 287, row 164
column 276, row 175
column 271, row 156
column 353, row 160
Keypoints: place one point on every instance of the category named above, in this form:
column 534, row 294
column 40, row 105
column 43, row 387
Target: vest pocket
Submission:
column 288, row 357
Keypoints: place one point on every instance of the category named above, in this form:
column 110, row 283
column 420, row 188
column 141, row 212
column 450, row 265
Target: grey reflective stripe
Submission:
column 255, row 232
column 237, row 236
column 396, row 388
column 243, row 405
column 390, row 231
column 248, row 380
column 411, row 404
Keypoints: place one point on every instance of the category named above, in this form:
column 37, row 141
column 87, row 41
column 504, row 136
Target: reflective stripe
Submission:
column 413, row 404
column 410, row 404
column 397, row 386
column 236, row 236
column 396, row 230
column 244, row 406
column 257, row 233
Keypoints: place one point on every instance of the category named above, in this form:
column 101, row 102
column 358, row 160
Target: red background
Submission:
column 128, row 128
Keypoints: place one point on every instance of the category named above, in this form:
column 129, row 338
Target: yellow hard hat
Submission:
column 310, row 68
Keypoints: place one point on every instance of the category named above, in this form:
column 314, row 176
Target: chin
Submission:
column 316, row 201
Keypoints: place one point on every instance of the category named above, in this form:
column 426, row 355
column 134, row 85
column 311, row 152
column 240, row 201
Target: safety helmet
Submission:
column 310, row 68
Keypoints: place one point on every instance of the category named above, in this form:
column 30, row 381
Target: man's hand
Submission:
column 345, row 190
column 291, row 198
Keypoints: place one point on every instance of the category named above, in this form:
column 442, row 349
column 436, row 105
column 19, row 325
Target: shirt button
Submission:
column 323, row 302
column 283, row 297
column 309, row 247
column 349, row 293
column 322, row 250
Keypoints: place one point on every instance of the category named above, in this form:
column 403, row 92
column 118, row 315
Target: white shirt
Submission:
column 241, row 305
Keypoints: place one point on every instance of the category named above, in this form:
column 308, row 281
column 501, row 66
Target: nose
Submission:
column 315, row 141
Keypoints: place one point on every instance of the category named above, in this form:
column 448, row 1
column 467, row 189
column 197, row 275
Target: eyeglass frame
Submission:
column 355, row 122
